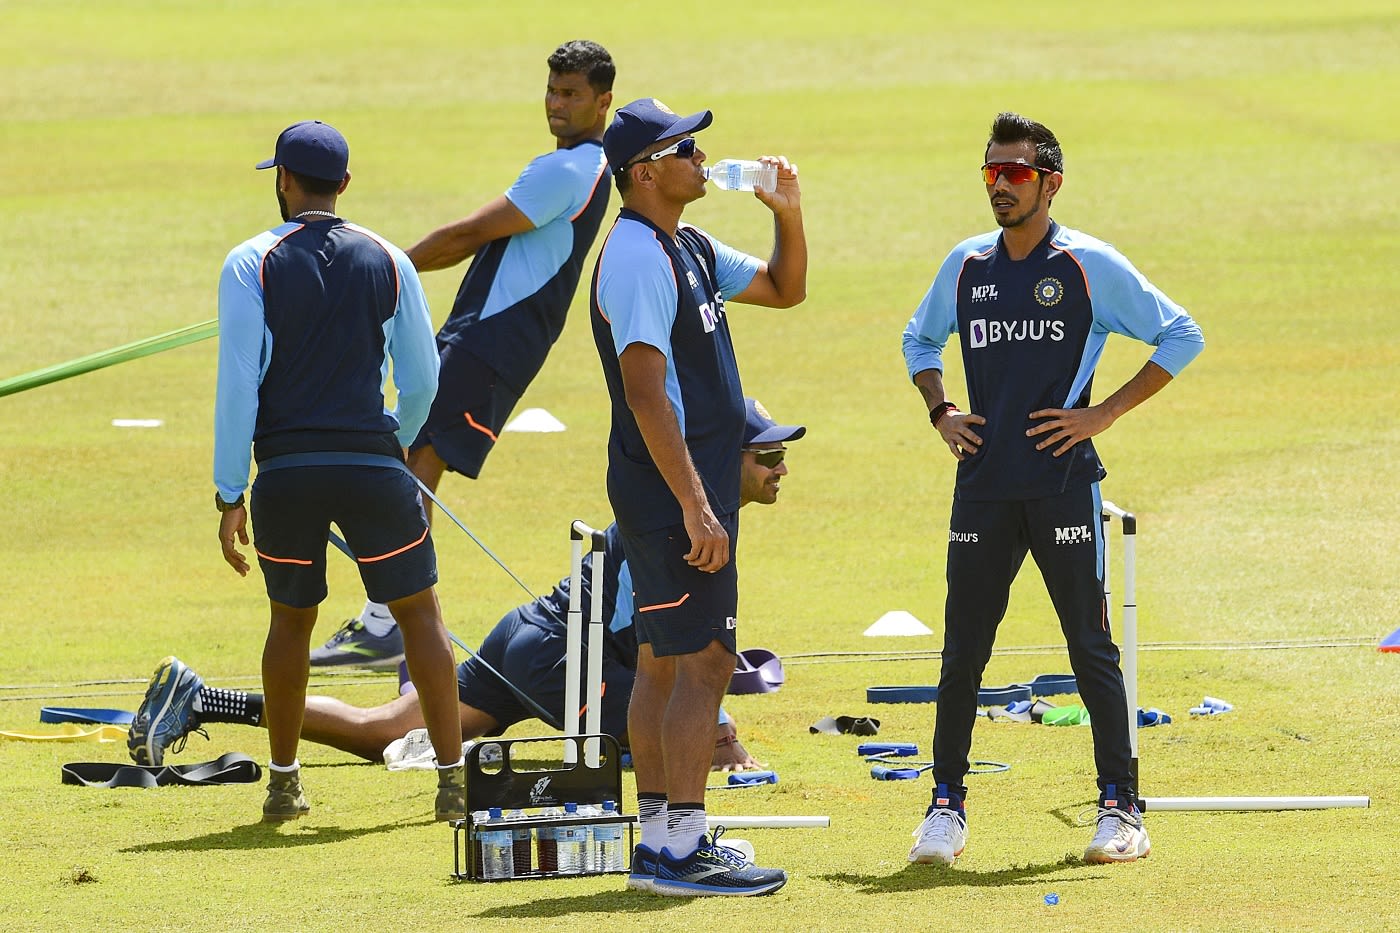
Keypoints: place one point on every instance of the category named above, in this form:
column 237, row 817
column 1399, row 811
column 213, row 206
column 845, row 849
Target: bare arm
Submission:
column 1069, row 426
column 448, row 245
column 781, row 282
column 644, row 382
column 954, row 427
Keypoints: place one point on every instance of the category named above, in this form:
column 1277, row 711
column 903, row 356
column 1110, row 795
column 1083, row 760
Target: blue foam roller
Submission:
column 98, row 717
column 901, row 694
column 741, row 778
column 1049, row 685
column 898, row 749
column 1003, row 696
column 881, row 773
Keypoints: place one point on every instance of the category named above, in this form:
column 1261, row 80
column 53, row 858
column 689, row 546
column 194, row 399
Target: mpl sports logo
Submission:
column 984, row 293
column 984, row 332
column 1073, row 534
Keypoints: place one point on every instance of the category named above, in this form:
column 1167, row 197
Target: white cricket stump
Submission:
column 1128, row 523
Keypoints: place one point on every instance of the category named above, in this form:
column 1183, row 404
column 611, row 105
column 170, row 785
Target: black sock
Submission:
column 216, row 704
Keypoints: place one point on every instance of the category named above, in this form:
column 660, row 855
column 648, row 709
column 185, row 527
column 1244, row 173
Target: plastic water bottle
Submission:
column 589, row 811
column 606, row 847
column 572, row 843
column 547, row 841
column 497, row 855
column 520, row 842
column 742, row 175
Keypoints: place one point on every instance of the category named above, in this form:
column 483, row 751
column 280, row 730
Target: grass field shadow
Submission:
column 926, row 877
column 263, row 836
column 605, row 902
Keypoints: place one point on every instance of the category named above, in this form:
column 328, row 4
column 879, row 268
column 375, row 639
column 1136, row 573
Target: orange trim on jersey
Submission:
column 480, row 427
column 382, row 244
column 602, row 173
column 263, row 262
column 1082, row 270
column 664, row 605
column 406, row 547
column 283, row 560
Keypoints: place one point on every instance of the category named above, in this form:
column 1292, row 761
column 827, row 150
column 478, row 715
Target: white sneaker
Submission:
column 414, row 752
column 1120, row 837
column 940, row 838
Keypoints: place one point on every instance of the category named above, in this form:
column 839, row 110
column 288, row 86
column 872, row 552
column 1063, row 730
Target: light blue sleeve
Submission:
column 1125, row 302
column 410, row 342
column 245, row 347
column 734, row 270
column 547, row 188
column 936, row 319
column 637, row 290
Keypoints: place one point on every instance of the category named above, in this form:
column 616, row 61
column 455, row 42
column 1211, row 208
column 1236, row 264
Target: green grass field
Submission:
column 1242, row 155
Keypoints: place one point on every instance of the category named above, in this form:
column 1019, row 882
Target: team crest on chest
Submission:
column 1049, row 291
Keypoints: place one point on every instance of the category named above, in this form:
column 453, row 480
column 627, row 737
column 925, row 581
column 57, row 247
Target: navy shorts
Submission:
column 533, row 658
column 379, row 515
column 680, row 610
column 471, row 407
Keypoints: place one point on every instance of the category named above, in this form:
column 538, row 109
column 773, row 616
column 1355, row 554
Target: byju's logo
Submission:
column 979, row 333
column 984, row 332
column 984, row 293
column 962, row 537
column 1073, row 534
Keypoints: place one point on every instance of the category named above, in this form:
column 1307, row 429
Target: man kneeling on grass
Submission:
column 527, row 646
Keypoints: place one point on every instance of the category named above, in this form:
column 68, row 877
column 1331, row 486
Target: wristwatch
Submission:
column 223, row 506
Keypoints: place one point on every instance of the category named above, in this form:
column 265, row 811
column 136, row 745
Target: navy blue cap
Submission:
column 312, row 148
column 760, row 428
column 642, row 123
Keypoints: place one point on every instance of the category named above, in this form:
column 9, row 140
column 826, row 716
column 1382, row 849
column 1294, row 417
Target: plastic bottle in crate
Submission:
column 606, row 845
column 520, row 842
column 588, row 811
column 497, row 847
column 572, row 843
column 547, row 841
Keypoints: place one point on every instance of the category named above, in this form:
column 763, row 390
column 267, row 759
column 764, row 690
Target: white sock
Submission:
column 377, row 619
column 652, row 811
column 686, row 824
column 284, row 769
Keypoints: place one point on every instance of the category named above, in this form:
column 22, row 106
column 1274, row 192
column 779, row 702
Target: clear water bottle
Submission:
column 547, row 841
column 606, row 844
column 497, row 855
column 742, row 175
column 520, row 842
column 589, row 811
column 572, row 842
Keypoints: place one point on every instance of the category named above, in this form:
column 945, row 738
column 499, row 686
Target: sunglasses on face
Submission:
column 683, row 149
column 766, row 457
column 1018, row 173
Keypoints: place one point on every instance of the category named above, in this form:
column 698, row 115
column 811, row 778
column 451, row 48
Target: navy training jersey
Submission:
column 309, row 316
column 669, row 294
column 550, row 611
column 514, row 298
column 1031, row 333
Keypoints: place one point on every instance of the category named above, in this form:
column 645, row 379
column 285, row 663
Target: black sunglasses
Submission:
column 683, row 149
column 766, row 457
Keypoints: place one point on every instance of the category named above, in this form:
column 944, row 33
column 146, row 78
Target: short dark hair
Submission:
column 1009, row 128
column 589, row 59
column 321, row 187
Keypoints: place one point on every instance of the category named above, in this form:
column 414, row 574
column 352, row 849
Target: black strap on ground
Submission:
column 231, row 768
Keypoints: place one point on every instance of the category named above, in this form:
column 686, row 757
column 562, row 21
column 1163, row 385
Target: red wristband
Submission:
column 939, row 410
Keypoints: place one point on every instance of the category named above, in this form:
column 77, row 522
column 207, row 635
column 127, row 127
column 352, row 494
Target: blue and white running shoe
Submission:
column 643, row 873
column 166, row 715
column 713, row 870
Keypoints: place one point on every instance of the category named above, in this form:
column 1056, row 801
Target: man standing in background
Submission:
column 529, row 245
